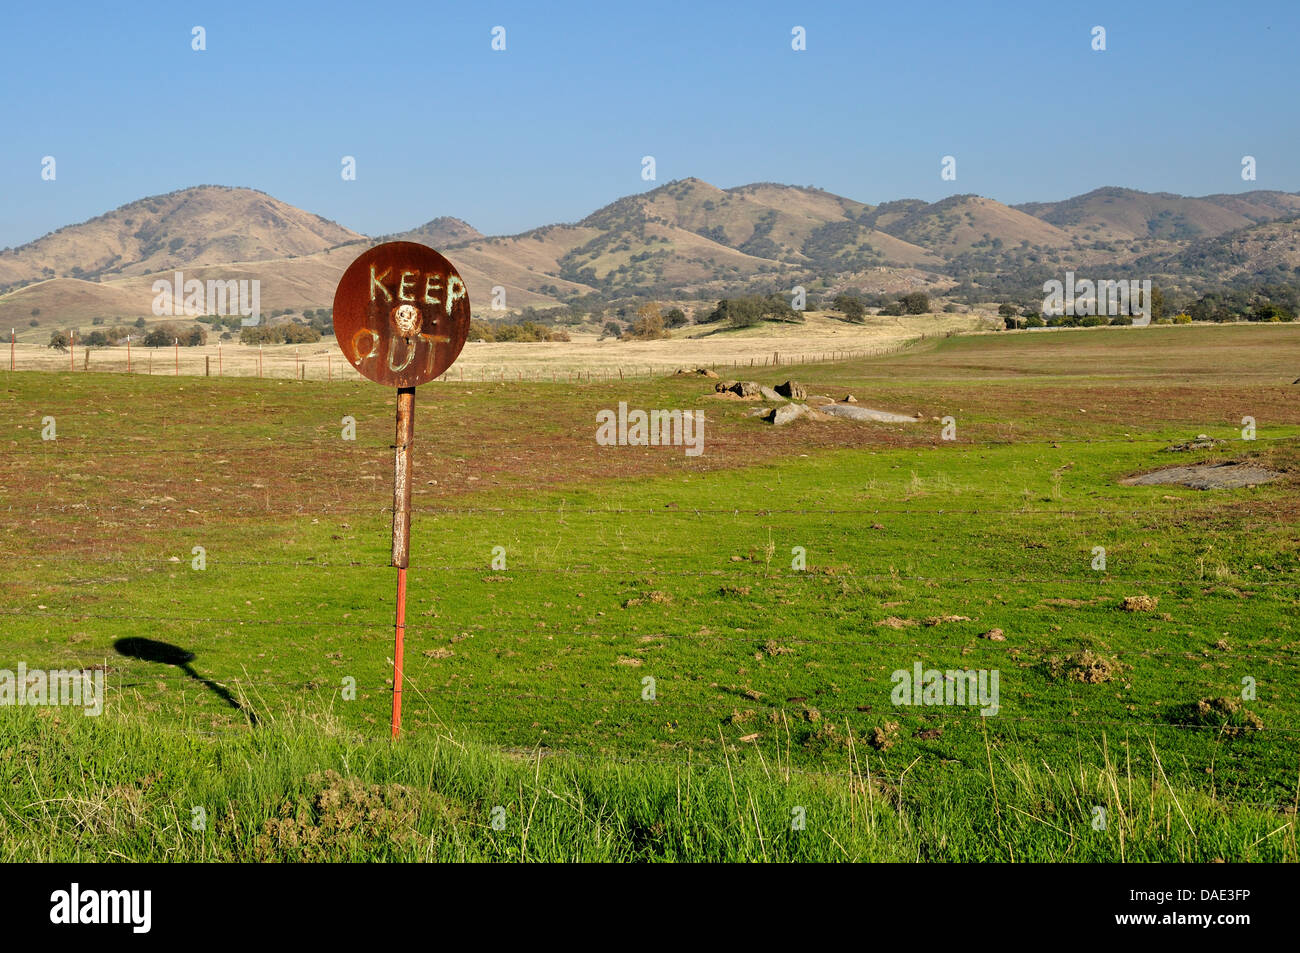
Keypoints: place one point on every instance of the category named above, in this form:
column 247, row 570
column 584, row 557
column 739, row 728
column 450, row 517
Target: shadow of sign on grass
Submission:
column 164, row 653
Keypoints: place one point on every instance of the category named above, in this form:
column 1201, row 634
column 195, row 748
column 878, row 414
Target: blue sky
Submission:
column 556, row 125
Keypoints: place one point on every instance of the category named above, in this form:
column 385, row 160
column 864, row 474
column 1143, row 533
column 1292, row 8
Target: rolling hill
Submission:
column 1269, row 252
column 205, row 225
column 440, row 232
column 1113, row 213
column 962, row 222
column 684, row 239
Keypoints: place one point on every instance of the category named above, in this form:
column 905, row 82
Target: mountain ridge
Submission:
column 685, row 238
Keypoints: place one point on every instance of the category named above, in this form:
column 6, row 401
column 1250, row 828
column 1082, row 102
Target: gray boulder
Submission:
column 786, row 413
column 792, row 390
column 853, row 412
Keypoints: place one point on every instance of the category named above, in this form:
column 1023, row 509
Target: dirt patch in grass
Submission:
column 894, row 622
column 1228, row 714
column 1207, row 476
column 655, row 596
column 883, row 737
column 1085, row 666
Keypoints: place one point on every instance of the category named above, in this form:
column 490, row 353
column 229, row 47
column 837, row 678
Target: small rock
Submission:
column 994, row 635
column 1202, row 442
column 848, row 399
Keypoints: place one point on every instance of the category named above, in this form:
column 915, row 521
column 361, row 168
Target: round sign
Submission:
column 401, row 314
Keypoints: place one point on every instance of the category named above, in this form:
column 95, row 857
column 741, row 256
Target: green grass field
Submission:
column 654, row 674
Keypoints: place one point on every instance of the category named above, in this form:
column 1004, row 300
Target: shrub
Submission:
column 298, row 334
column 258, row 334
column 915, row 302
column 850, row 306
column 165, row 335
column 649, row 325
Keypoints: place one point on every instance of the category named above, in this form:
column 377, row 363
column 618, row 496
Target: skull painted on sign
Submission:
column 407, row 319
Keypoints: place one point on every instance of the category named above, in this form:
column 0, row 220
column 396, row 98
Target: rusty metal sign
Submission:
column 401, row 314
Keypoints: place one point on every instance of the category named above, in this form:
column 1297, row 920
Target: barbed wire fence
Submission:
column 430, row 700
column 247, row 361
column 132, row 679
column 686, row 756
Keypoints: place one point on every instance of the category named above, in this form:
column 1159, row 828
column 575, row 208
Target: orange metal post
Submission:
column 399, row 639
column 401, row 532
